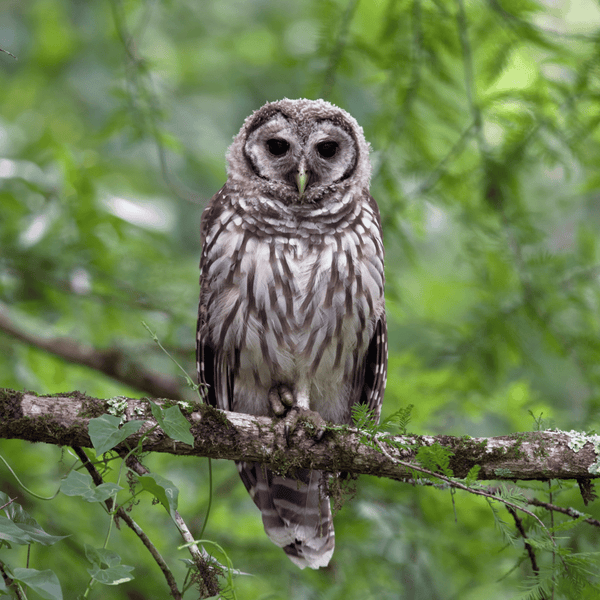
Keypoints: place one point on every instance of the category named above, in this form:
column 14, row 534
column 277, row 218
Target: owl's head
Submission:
column 300, row 150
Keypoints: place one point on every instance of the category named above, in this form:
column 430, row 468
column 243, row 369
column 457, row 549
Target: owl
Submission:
column 292, row 316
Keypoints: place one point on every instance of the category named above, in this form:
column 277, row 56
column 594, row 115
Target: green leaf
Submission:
column 107, row 567
column 106, row 434
column 26, row 533
column 164, row 490
column 102, row 556
column 15, row 511
column 157, row 413
column 111, row 575
column 45, row 583
column 173, row 423
column 81, row 484
column 11, row 532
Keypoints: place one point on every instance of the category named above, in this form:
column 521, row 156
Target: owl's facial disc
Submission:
column 301, row 157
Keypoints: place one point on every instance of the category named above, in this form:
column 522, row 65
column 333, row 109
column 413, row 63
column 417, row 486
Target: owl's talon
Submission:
column 286, row 433
column 281, row 401
column 313, row 419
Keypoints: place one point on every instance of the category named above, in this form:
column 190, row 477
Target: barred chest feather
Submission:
column 294, row 296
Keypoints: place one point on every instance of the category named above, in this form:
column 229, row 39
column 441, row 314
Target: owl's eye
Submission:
column 278, row 147
column 327, row 149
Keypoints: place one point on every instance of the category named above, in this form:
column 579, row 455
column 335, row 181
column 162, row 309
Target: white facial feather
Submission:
column 303, row 124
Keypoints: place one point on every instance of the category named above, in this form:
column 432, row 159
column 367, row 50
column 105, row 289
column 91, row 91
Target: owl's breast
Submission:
column 285, row 300
column 297, row 306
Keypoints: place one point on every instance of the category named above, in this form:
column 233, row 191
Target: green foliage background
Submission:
column 483, row 118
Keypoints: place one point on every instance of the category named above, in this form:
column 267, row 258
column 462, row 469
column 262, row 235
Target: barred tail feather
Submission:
column 295, row 514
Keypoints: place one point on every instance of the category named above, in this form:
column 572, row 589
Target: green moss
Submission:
column 90, row 407
column 10, row 404
column 214, row 413
column 503, row 473
column 466, row 454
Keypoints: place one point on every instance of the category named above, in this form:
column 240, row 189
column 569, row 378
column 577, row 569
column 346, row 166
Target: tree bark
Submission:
column 63, row 419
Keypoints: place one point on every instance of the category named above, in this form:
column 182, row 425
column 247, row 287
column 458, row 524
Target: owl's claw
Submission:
column 310, row 417
column 281, row 401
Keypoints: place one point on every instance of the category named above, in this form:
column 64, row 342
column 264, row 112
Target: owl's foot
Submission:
column 281, row 401
column 313, row 419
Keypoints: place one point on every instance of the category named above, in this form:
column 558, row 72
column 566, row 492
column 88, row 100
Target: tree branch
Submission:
column 112, row 362
column 63, row 419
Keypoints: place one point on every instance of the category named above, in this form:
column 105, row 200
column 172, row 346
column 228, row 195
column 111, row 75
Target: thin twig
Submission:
column 570, row 512
column 122, row 514
column 519, row 524
column 200, row 559
column 10, row 501
column 462, row 486
column 9, row 53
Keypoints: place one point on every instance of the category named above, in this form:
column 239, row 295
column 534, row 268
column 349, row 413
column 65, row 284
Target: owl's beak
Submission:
column 301, row 179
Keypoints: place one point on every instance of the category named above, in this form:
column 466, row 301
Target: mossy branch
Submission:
column 62, row 419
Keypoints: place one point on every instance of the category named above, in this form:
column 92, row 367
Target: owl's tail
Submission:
column 295, row 513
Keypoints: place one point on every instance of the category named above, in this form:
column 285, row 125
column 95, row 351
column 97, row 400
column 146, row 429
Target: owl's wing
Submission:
column 373, row 375
column 369, row 381
column 214, row 374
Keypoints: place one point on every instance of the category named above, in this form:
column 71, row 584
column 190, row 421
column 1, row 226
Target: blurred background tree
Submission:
column 483, row 118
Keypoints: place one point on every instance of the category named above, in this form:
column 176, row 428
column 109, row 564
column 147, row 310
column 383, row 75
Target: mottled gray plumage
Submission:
column 291, row 299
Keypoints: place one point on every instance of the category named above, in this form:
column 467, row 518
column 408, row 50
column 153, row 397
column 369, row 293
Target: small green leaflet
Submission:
column 400, row 419
column 435, row 458
column 363, row 418
column 81, row 484
column 173, row 423
column 107, row 567
column 164, row 490
column 106, row 434
column 102, row 556
column 45, row 583
column 472, row 475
